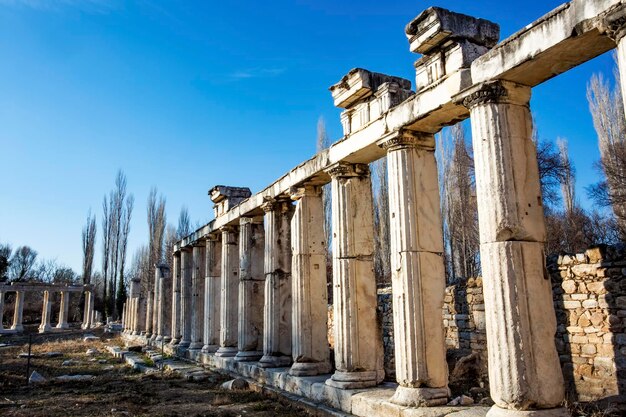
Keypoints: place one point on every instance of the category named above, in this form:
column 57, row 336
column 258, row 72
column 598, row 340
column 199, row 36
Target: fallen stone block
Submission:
column 73, row 378
column 90, row 338
column 53, row 354
column 235, row 384
column 69, row 362
column 92, row 352
column 36, row 378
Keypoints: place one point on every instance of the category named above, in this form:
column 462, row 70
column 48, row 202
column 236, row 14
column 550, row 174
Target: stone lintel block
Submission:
column 360, row 83
column 226, row 197
column 436, row 27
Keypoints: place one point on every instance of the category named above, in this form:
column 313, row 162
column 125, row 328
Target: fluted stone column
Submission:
column 64, row 310
column 186, row 261
column 229, row 293
column 175, row 326
column 524, row 368
column 277, row 264
column 212, row 294
column 418, row 274
column 18, row 312
column 148, row 318
column 45, row 313
column 310, row 350
column 358, row 342
column 1, row 310
column 197, row 298
column 155, row 306
column 164, row 284
column 251, row 289
column 88, row 310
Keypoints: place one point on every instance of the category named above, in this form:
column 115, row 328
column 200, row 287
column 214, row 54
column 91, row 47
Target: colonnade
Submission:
column 21, row 289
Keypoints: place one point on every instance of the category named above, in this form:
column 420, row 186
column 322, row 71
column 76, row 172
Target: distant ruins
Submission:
column 247, row 293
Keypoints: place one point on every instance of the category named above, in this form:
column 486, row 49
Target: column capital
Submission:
column 250, row 220
column 345, row 170
column 187, row 249
column 275, row 204
column 499, row 91
column 213, row 237
column 401, row 139
column 228, row 229
column 615, row 24
column 297, row 193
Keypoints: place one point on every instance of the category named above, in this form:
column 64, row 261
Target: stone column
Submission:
column 358, row 342
column 1, row 310
column 229, row 296
column 277, row 310
column 524, row 369
column 418, row 274
column 251, row 289
column 164, row 285
column 64, row 310
column 212, row 294
column 155, row 306
column 310, row 350
column 148, row 317
column 88, row 310
column 186, row 262
column 18, row 312
column 197, row 298
column 175, row 312
column 45, row 313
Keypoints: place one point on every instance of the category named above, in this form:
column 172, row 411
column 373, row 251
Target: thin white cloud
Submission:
column 89, row 6
column 257, row 73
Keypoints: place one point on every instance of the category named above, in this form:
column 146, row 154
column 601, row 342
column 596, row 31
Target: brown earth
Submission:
column 117, row 390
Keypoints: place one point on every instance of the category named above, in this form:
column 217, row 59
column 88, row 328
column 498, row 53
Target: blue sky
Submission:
column 184, row 95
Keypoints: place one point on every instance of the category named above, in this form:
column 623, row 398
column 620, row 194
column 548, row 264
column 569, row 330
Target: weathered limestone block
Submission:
column 229, row 293
column 197, row 297
column 310, row 298
column 45, row 313
column 251, row 288
column 212, row 293
column 186, row 262
column 225, row 198
column 63, row 311
column 418, row 275
column 18, row 312
column 358, row 344
column 176, row 287
column 277, row 266
column 449, row 42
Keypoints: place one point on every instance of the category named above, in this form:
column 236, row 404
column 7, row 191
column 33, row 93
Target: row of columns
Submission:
column 45, row 326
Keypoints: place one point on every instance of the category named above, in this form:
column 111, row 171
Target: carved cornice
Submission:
column 346, row 170
column 615, row 24
column 487, row 93
column 403, row 139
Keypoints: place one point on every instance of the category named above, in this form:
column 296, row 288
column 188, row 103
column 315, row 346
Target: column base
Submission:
column 62, row 326
column 226, row 352
column 174, row 342
column 420, row 397
column 309, row 368
column 158, row 339
column 7, row 331
column 210, row 348
column 184, row 344
column 353, row 380
column 153, row 338
column 272, row 361
column 18, row 328
column 196, row 346
column 248, row 356
column 45, row 329
column 496, row 411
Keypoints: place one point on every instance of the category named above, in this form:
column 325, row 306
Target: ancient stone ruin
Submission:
column 247, row 293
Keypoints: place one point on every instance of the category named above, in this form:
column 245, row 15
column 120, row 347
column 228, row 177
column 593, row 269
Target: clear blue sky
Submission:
column 184, row 95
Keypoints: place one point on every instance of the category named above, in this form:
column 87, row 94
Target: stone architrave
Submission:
column 418, row 274
column 197, row 298
column 310, row 350
column 164, row 311
column 277, row 265
column 64, row 310
column 18, row 312
column 358, row 342
column 212, row 294
column 524, row 369
column 1, row 310
column 251, row 289
column 175, row 311
column 88, row 310
column 229, row 293
column 186, row 262
column 45, row 313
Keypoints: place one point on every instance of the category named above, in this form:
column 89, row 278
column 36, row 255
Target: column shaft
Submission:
column 1, row 310
column 87, row 310
column 149, row 295
column 310, row 350
column 164, row 284
column 212, row 294
column 524, row 369
column 64, row 310
column 277, row 265
column 185, row 296
column 45, row 313
column 358, row 342
column 175, row 312
column 197, row 297
column 155, row 305
column 18, row 312
column 229, row 293
column 251, row 289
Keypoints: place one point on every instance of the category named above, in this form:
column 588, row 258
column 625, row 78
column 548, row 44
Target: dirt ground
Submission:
column 117, row 390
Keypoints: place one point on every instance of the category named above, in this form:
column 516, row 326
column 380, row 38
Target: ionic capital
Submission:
column 500, row 92
column 275, row 204
column 402, row 139
column 615, row 24
column 347, row 170
column 296, row 193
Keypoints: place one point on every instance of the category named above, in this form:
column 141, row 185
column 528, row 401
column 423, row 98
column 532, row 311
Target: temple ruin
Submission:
column 247, row 293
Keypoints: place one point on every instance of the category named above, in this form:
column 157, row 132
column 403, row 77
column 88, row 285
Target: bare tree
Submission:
column 568, row 181
column 323, row 143
column 22, row 263
column 184, row 223
column 607, row 111
column 89, row 245
column 170, row 239
column 5, row 256
column 106, row 250
column 382, row 256
column 127, row 214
